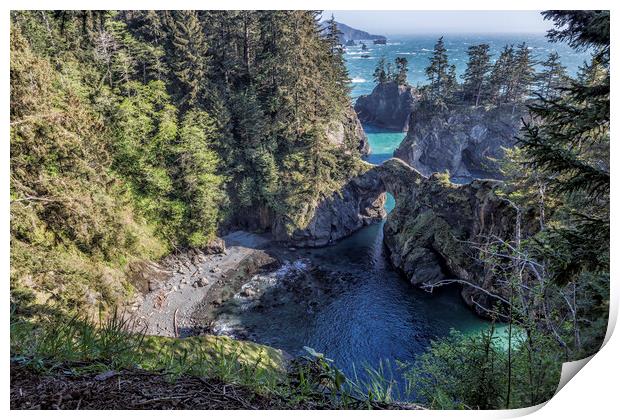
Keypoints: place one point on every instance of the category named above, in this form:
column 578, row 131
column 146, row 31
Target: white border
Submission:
column 592, row 393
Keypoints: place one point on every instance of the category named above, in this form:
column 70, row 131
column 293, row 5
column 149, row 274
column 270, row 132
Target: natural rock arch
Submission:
column 396, row 177
column 432, row 231
column 358, row 203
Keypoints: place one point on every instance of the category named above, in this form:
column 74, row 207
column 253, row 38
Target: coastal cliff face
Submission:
column 464, row 140
column 388, row 106
column 349, row 133
column 432, row 234
column 359, row 203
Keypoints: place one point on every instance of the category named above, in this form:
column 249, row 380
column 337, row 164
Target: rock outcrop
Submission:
column 389, row 106
column 432, row 234
column 349, row 133
column 464, row 140
column 360, row 202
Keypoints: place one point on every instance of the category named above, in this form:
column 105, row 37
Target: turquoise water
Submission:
column 382, row 146
column 382, row 143
column 418, row 49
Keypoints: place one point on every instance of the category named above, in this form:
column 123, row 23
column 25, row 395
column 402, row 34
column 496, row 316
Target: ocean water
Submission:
column 419, row 48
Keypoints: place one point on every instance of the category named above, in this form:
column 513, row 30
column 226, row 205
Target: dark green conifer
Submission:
column 475, row 77
column 380, row 74
column 401, row 70
column 551, row 78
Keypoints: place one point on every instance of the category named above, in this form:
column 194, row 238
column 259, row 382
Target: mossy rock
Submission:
column 202, row 352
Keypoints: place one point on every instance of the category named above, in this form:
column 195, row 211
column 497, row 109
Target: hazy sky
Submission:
column 442, row 22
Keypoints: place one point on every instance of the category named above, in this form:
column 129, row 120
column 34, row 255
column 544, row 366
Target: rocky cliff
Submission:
column 433, row 232
column 389, row 106
column 360, row 202
column 348, row 132
column 462, row 139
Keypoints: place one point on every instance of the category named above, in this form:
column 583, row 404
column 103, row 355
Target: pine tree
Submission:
column 501, row 76
column 339, row 77
column 551, row 78
column 401, row 70
column 441, row 75
column 451, row 84
column 569, row 142
column 475, row 76
column 200, row 186
column 187, row 48
column 380, row 75
column 522, row 75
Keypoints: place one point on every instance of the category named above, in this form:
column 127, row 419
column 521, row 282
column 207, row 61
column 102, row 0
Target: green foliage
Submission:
column 476, row 74
column 441, row 75
column 113, row 344
column 568, row 145
column 186, row 54
column 200, row 184
column 384, row 74
column 380, row 75
column 81, row 346
column 134, row 132
column 558, row 177
column 473, row 372
column 172, row 169
column 73, row 225
column 552, row 78
column 145, row 130
column 401, row 70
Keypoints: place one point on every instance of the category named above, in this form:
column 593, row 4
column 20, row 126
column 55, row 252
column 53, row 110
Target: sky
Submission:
column 442, row 22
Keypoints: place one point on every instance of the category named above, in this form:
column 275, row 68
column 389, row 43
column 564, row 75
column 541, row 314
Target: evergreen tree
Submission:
column 389, row 71
column 451, row 84
column 475, row 76
column 501, row 76
column 187, row 49
column 522, row 75
column 551, row 78
column 380, row 75
column 401, row 70
column 441, row 75
column 200, row 186
column 339, row 77
column 568, row 143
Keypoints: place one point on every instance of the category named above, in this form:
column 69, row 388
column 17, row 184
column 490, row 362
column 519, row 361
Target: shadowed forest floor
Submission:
column 142, row 390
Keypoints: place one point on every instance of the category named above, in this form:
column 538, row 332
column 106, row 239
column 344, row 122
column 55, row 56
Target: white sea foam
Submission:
column 358, row 80
column 294, row 267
